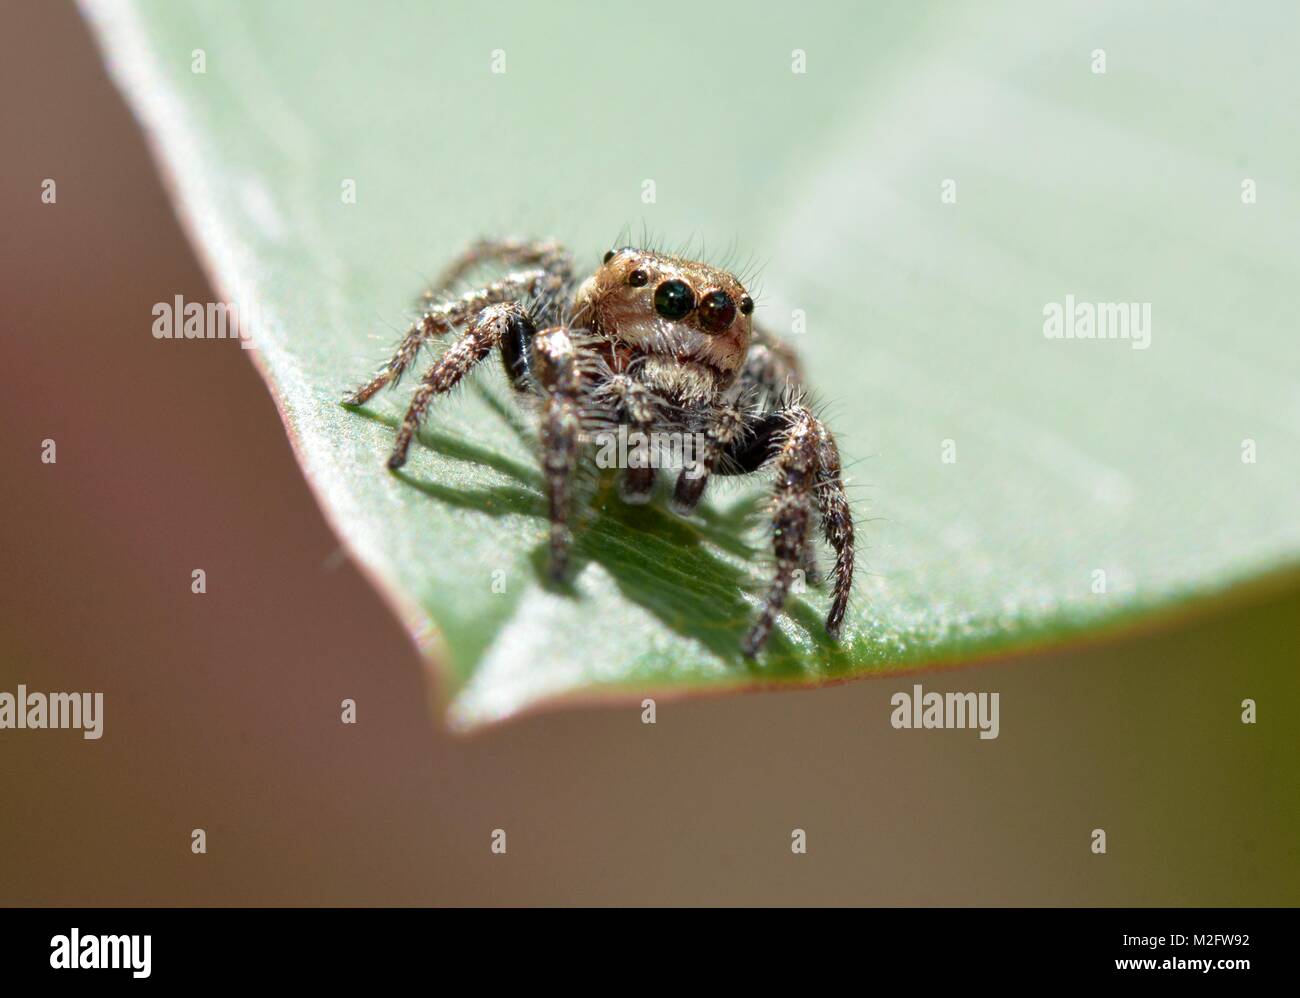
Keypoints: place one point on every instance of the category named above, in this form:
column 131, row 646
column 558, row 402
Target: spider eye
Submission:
column 746, row 305
column 638, row 279
column 608, row 256
column 716, row 311
column 674, row 300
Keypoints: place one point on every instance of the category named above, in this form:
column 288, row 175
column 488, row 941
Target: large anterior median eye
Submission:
column 674, row 300
column 716, row 311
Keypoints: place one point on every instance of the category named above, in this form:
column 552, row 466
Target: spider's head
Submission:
column 670, row 314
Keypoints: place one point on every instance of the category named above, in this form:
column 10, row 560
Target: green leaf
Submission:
column 925, row 320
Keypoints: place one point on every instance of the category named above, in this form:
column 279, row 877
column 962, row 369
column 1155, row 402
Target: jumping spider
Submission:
column 657, row 343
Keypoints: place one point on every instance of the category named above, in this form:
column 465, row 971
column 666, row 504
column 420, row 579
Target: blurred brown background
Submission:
column 222, row 710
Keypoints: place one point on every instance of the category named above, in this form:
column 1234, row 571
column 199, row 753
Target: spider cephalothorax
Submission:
column 684, row 324
column 654, row 343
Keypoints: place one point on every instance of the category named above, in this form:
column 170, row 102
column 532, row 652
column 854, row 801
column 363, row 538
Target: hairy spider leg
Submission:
column 807, row 473
column 484, row 333
column 837, row 525
column 443, row 317
column 556, row 367
column 754, row 448
column 546, row 254
column 771, row 368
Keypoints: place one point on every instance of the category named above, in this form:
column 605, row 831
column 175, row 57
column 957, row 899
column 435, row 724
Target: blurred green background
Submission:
column 222, row 711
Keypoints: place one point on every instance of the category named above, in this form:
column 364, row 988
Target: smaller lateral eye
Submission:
column 638, row 279
column 608, row 256
column 746, row 305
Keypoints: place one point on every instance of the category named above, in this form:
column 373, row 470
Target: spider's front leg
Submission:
column 487, row 330
column 808, row 480
column 556, row 371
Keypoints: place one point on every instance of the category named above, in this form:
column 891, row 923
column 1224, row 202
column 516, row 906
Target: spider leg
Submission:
column 556, row 370
column 485, row 332
column 837, row 526
column 635, row 407
column 749, row 452
column 545, row 254
column 772, row 374
column 772, row 366
column 807, row 469
column 445, row 316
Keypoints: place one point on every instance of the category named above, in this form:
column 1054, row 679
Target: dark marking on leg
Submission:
column 756, row 446
column 517, row 351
